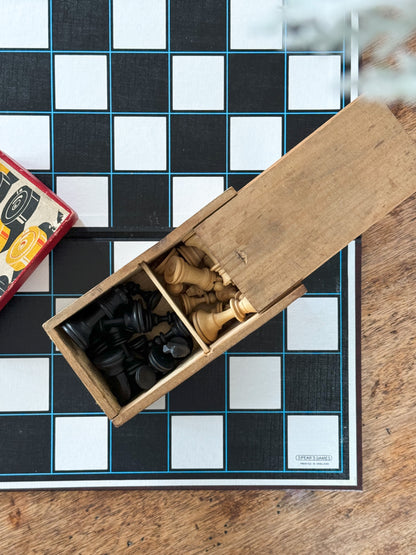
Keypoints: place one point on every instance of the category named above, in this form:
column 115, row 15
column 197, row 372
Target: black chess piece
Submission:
column 160, row 361
column 98, row 345
column 112, row 301
column 151, row 298
column 111, row 362
column 145, row 377
column 178, row 329
column 79, row 328
column 115, row 337
column 177, row 347
column 138, row 346
column 137, row 319
column 120, row 387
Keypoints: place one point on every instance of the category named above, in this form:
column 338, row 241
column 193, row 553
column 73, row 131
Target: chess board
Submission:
column 137, row 114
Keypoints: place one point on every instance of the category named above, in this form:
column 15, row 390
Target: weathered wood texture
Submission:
column 312, row 202
column 379, row 520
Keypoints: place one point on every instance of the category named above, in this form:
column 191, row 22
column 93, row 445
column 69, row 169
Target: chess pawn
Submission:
column 224, row 294
column 160, row 268
column 208, row 324
column 175, row 289
column 179, row 271
column 195, row 291
column 189, row 303
column 192, row 255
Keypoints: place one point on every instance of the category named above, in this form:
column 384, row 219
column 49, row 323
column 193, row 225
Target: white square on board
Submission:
column 139, row 24
column 255, row 142
column 24, row 384
column 256, row 25
column 255, row 382
column 26, row 139
column 88, row 196
column 197, row 441
column 80, row 82
column 312, row 441
column 81, row 443
column 314, row 82
column 125, row 251
column 198, row 82
column 312, row 324
column 140, row 143
column 24, row 24
column 160, row 404
column 38, row 282
column 190, row 194
column 63, row 302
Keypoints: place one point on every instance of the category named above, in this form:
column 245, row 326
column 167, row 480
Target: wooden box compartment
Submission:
column 270, row 236
column 141, row 271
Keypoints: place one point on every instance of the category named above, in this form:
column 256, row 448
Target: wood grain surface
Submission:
column 380, row 519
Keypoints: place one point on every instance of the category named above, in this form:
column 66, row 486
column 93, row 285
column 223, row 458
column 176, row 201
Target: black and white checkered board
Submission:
column 137, row 113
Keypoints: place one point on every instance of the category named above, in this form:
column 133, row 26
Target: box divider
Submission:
column 174, row 306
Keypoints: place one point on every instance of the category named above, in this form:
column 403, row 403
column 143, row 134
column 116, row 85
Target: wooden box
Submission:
column 269, row 236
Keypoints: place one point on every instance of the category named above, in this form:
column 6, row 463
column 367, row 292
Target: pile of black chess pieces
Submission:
column 112, row 333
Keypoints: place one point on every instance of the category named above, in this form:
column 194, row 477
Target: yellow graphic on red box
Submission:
column 25, row 247
column 4, row 234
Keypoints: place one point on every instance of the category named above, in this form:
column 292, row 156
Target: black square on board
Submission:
column 198, row 25
column 298, row 127
column 79, row 265
column 238, row 181
column 69, row 393
column 255, row 441
column 325, row 279
column 26, row 81
column 80, row 25
column 256, row 83
column 141, row 444
column 198, row 143
column 267, row 339
column 205, row 390
column 82, row 142
column 21, row 325
column 25, row 444
column 139, row 82
column 45, row 179
column 140, row 201
column 312, row 382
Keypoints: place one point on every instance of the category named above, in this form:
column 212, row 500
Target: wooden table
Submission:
column 380, row 519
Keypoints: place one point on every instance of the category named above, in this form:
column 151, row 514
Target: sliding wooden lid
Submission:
column 311, row 203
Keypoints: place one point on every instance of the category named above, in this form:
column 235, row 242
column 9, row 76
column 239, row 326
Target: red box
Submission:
column 32, row 221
